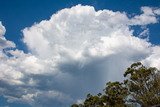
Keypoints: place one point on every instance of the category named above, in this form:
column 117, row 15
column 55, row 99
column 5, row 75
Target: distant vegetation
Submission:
column 141, row 87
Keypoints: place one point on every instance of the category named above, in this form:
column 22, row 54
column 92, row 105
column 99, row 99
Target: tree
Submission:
column 114, row 95
column 142, row 86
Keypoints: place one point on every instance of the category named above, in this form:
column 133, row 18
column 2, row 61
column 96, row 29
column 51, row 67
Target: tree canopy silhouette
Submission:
column 141, row 86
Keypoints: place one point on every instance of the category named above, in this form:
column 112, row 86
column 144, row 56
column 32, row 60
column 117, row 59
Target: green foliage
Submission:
column 115, row 93
column 113, row 96
column 142, row 86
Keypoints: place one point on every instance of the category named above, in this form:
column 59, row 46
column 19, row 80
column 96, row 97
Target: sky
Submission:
column 53, row 52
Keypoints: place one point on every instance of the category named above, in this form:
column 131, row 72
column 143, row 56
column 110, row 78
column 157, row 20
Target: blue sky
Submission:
column 22, row 21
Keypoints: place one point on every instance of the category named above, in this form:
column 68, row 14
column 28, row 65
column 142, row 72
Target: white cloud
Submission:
column 42, row 98
column 2, row 29
column 73, row 53
column 7, row 72
column 148, row 17
column 145, row 33
column 154, row 58
column 73, row 29
column 3, row 42
column 157, row 11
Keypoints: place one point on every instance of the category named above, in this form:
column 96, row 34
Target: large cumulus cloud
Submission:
column 73, row 53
